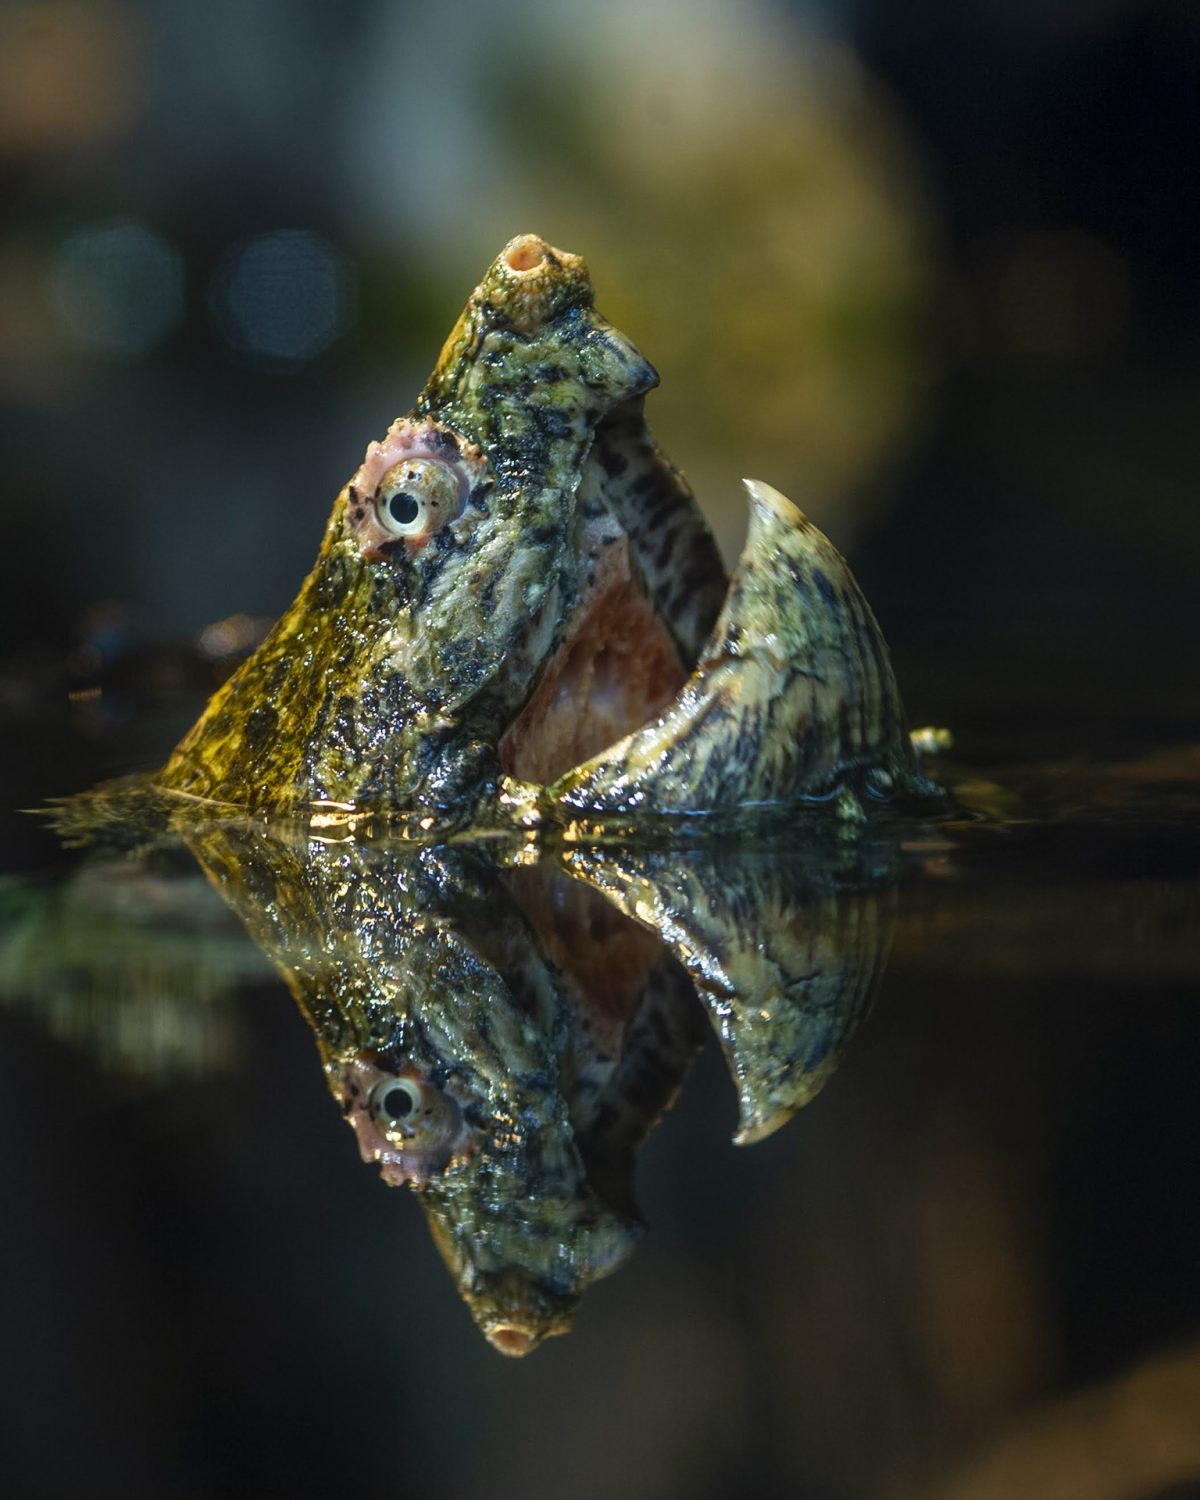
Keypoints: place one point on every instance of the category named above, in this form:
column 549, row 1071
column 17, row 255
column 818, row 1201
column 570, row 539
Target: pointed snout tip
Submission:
column 528, row 256
column 512, row 1340
column 525, row 252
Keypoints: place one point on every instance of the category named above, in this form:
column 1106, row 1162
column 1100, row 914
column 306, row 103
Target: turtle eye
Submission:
column 412, row 1113
column 418, row 496
column 394, row 1101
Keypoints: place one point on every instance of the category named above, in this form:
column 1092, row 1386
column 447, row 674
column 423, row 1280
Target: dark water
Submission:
column 966, row 1268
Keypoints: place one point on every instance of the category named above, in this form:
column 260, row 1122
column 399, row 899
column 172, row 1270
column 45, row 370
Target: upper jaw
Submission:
column 614, row 667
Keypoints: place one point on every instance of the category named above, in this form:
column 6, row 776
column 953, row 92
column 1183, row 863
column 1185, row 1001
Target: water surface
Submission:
column 965, row 1267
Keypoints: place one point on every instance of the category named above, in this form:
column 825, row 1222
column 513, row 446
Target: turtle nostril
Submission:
column 511, row 1340
column 525, row 253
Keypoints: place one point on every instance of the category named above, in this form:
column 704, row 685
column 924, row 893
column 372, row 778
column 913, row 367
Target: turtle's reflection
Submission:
column 785, row 951
column 502, row 1032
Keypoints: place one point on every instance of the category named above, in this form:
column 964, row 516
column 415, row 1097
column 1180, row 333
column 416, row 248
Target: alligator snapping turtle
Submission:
column 516, row 612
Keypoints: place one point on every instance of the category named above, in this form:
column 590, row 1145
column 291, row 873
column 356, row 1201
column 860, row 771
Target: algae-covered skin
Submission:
column 503, row 1021
column 502, row 1035
column 468, row 1063
column 513, row 615
column 465, row 554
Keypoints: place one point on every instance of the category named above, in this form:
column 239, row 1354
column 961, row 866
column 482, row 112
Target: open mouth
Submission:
column 618, row 664
column 615, row 670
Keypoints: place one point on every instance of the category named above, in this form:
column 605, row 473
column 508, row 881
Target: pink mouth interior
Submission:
column 616, row 669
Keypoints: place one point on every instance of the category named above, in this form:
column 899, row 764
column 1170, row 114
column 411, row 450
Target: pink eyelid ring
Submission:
column 444, row 469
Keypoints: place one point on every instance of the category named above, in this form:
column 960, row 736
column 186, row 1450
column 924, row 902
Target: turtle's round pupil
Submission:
column 398, row 1103
column 403, row 509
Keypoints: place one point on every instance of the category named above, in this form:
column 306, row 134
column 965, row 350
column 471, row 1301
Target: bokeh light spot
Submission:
column 285, row 295
column 117, row 288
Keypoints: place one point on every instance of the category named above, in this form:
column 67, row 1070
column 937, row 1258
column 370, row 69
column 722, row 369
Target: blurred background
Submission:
column 931, row 269
column 928, row 269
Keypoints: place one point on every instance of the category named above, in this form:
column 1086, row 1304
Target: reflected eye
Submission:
column 398, row 1100
column 395, row 1103
column 418, row 496
column 411, row 1112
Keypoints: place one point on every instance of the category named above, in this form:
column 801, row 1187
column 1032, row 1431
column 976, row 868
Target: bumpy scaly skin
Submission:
column 419, row 964
column 557, row 1030
column 391, row 682
column 537, row 1009
column 391, row 679
column 793, row 696
column 556, row 1038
